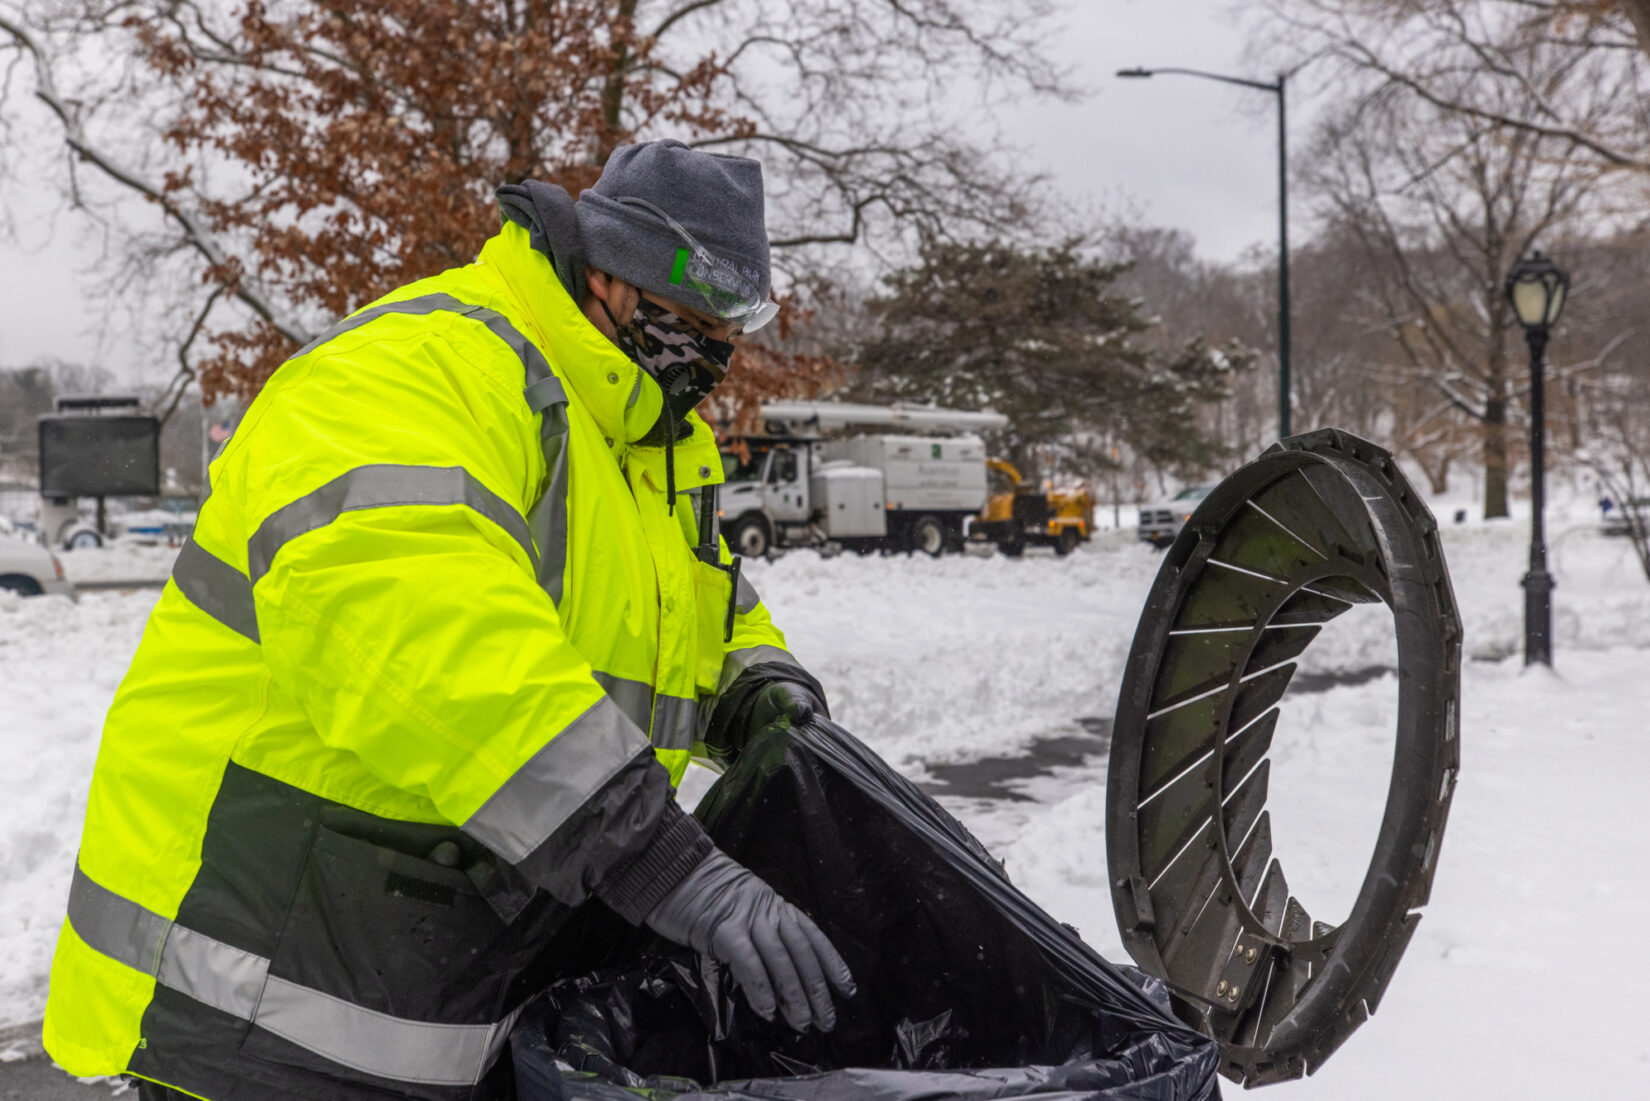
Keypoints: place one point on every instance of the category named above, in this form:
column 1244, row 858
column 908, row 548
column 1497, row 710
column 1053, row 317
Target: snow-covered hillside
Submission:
column 1523, row 980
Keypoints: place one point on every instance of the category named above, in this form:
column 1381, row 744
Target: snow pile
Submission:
column 125, row 561
column 951, row 659
column 62, row 662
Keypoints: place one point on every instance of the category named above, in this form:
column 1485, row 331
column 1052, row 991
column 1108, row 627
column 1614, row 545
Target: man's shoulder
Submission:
column 462, row 313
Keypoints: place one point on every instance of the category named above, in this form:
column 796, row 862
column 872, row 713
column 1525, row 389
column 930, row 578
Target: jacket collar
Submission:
column 623, row 399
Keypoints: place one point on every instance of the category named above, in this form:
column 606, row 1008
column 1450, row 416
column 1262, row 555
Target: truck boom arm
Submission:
column 804, row 417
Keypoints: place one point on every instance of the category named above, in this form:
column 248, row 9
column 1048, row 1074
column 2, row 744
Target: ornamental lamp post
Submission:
column 1537, row 288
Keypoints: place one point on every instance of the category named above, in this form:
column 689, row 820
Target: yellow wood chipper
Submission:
column 1020, row 513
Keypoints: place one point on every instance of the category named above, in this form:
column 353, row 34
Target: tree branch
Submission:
column 224, row 269
column 186, row 373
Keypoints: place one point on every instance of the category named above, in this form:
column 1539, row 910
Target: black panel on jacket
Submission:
column 412, row 919
column 198, row 1049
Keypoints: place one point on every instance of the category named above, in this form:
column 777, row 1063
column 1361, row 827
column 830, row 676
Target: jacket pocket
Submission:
column 388, row 917
column 713, row 593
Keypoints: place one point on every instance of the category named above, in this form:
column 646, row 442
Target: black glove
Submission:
column 765, row 696
column 723, row 910
column 781, row 703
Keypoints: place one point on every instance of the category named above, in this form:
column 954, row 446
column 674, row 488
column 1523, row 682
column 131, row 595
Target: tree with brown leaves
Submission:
column 314, row 155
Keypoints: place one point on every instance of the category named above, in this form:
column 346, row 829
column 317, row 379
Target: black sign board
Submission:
column 99, row 456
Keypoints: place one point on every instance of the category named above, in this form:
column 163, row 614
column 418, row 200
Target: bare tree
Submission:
column 1443, row 203
column 1618, row 454
column 313, row 155
column 1571, row 70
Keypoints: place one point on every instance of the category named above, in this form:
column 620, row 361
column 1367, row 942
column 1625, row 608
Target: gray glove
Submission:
column 723, row 910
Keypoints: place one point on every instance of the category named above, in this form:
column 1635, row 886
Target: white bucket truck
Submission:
column 821, row 474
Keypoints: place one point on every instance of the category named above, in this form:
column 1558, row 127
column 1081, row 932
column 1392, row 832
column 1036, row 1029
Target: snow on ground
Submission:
column 60, row 662
column 125, row 562
column 1524, row 978
column 951, row 659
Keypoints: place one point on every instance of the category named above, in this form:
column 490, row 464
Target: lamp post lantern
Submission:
column 1537, row 288
column 1276, row 89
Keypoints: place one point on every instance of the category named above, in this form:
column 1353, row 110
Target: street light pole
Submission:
column 1283, row 266
column 1537, row 289
column 1538, row 583
column 1283, row 215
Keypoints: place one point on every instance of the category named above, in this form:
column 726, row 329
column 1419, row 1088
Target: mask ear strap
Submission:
column 670, row 430
column 610, row 318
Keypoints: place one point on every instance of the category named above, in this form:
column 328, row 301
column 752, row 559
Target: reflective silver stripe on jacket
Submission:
column 238, row 982
column 670, row 721
column 381, row 485
column 216, row 588
column 225, row 594
column 523, row 813
column 426, row 304
column 675, row 722
column 737, row 661
column 746, row 598
column 634, row 697
column 547, row 519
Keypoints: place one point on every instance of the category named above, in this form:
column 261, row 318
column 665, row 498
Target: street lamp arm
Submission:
column 1277, row 89
column 1274, row 88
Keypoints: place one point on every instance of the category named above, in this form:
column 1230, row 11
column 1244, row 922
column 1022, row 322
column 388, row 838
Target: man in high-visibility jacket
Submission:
column 451, row 624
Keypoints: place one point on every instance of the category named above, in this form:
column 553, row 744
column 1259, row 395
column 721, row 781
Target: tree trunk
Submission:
column 614, row 90
column 1639, row 12
column 1495, row 407
column 1437, row 473
column 1495, row 458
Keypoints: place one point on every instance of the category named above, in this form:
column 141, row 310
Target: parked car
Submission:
column 28, row 568
column 170, row 521
column 1615, row 521
column 1162, row 521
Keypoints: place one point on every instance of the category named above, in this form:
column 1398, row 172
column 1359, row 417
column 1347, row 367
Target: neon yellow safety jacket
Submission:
column 398, row 708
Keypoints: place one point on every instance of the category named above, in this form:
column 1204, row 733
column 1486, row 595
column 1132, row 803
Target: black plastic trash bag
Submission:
column 966, row 988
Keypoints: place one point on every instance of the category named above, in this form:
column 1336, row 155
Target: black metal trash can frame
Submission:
column 1317, row 523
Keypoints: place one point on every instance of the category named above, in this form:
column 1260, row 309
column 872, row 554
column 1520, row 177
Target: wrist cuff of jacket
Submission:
column 635, row 888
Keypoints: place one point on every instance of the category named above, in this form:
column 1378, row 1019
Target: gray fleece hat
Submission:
column 625, row 222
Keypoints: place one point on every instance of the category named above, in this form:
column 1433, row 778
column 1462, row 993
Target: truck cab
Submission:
column 766, row 490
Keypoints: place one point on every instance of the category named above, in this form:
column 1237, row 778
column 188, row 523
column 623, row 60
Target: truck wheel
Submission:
column 84, row 540
column 1012, row 545
column 1065, row 542
column 928, row 536
column 749, row 537
column 19, row 584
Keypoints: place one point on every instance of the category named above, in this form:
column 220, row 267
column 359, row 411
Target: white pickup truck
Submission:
column 1162, row 521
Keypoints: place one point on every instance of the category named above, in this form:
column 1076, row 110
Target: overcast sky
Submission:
column 1175, row 151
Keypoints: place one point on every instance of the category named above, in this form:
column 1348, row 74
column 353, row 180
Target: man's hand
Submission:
column 777, row 954
column 781, row 703
column 759, row 702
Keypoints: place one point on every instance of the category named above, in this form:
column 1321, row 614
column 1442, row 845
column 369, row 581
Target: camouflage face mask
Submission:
column 686, row 363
